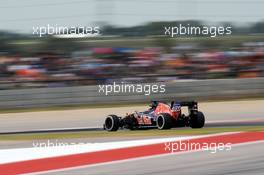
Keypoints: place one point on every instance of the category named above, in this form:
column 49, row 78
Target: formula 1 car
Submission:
column 160, row 115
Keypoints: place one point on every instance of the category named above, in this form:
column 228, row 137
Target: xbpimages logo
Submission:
column 147, row 89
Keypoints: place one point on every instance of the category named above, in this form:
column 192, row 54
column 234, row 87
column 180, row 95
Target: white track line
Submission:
column 22, row 154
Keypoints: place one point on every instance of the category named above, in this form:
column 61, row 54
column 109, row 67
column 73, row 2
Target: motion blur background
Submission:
column 49, row 85
column 132, row 46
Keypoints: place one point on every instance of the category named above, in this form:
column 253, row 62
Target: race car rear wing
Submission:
column 188, row 103
column 192, row 106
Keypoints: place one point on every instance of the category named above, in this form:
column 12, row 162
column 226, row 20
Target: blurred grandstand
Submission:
column 69, row 64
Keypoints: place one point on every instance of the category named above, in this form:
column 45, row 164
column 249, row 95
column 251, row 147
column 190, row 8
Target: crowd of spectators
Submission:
column 105, row 65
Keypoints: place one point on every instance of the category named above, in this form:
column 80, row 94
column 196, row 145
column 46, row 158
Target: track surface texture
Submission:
column 245, row 159
column 214, row 111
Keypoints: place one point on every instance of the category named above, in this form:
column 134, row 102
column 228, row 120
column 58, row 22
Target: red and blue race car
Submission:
column 160, row 115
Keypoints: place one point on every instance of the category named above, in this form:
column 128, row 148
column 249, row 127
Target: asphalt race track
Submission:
column 247, row 159
column 208, row 124
column 244, row 159
column 216, row 113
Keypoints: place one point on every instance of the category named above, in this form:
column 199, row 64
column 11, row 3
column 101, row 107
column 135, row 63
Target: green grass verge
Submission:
column 127, row 133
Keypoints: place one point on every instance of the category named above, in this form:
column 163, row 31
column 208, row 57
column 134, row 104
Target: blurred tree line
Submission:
column 157, row 28
column 26, row 44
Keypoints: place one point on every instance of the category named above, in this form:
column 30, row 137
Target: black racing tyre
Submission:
column 164, row 121
column 111, row 123
column 197, row 121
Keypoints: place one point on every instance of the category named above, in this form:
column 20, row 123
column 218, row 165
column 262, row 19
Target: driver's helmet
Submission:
column 153, row 104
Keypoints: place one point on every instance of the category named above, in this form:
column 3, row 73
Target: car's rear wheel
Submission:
column 164, row 121
column 111, row 123
column 197, row 121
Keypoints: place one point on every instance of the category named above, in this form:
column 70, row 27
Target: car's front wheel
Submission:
column 164, row 121
column 111, row 123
